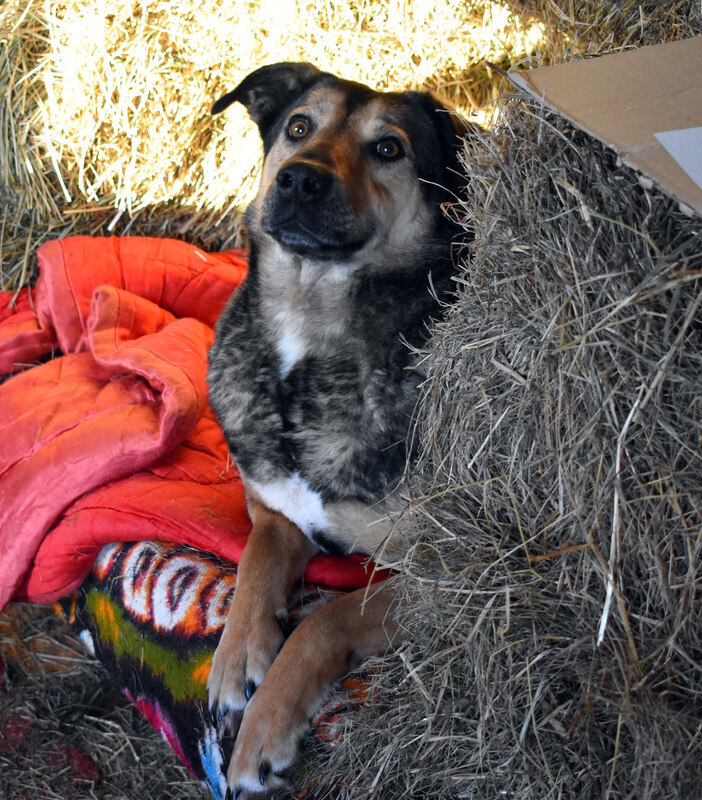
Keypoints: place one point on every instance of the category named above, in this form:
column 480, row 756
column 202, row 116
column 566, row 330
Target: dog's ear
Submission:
column 451, row 129
column 268, row 90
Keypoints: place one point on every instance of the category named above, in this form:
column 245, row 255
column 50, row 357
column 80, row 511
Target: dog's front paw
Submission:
column 246, row 649
column 267, row 744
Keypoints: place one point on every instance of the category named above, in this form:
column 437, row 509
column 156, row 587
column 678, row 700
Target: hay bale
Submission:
column 552, row 570
column 105, row 124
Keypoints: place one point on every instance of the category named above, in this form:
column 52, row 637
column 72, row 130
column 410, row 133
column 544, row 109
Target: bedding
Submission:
column 152, row 613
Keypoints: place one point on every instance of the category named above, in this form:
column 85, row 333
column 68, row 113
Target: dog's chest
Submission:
column 306, row 314
column 309, row 379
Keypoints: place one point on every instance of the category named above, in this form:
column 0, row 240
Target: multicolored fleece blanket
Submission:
column 152, row 614
column 106, row 436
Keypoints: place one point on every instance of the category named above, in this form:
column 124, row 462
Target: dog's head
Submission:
column 349, row 173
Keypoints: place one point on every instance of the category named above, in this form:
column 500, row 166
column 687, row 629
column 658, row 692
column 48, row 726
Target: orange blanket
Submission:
column 112, row 438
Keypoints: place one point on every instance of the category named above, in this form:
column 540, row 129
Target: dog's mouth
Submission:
column 296, row 237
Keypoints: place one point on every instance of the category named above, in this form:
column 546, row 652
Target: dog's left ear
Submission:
column 451, row 129
column 268, row 90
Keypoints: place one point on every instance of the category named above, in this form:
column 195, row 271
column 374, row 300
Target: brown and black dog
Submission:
column 314, row 381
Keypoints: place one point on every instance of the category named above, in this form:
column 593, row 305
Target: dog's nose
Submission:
column 303, row 181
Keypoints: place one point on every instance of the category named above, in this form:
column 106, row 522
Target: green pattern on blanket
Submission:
column 152, row 613
column 184, row 675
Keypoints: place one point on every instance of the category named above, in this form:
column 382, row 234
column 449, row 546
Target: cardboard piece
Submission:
column 646, row 103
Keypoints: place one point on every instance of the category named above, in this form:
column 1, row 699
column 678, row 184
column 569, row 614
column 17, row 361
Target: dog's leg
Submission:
column 274, row 558
column 324, row 647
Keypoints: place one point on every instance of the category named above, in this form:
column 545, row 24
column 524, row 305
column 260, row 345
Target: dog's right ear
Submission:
column 268, row 90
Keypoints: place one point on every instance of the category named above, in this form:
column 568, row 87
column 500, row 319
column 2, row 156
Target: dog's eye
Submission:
column 298, row 128
column 389, row 148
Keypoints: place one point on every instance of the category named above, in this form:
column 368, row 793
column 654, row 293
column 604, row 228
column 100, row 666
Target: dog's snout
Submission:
column 307, row 209
column 303, row 180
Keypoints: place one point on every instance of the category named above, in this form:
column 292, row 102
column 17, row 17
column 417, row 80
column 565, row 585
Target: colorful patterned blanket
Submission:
column 152, row 613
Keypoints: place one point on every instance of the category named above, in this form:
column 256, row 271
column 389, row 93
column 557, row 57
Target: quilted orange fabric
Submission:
column 110, row 438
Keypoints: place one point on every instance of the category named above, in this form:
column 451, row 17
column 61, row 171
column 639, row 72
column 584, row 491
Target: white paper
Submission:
column 685, row 146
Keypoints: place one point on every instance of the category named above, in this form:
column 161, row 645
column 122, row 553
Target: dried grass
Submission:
column 106, row 125
column 66, row 731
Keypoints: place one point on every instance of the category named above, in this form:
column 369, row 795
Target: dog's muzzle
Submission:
column 307, row 211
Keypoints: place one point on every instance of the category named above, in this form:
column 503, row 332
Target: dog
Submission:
column 313, row 379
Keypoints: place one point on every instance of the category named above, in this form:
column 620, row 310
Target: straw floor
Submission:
column 67, row 732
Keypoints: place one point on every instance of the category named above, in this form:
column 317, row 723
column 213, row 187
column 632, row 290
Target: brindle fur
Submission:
column 313, row 379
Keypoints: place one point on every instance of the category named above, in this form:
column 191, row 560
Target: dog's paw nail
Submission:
column 249, row 689
column 263, row 772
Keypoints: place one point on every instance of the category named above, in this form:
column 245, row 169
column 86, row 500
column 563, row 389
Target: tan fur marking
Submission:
column 324, row 647
column 343, row 141
column 273, row 560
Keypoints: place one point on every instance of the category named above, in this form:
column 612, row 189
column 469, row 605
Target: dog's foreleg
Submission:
column 273, row 560
column 323, row 648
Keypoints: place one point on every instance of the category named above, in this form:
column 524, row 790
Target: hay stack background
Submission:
column 553, row 570
column 105, row 114
column 560, row 424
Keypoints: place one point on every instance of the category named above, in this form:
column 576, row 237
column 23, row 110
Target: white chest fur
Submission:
column 305, row 304
column 293, row 498
column 291, row 349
